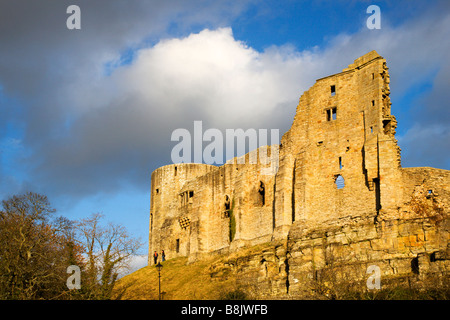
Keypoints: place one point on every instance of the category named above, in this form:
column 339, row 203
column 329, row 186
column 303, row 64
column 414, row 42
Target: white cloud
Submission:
column 136, row 262
column 215, row 77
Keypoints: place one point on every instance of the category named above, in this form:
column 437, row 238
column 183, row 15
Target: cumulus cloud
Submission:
column 209, row 76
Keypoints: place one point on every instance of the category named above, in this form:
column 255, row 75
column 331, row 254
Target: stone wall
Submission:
column 339, row 201
column 330, row 261
column 165, row 208
column 338, row 131
column 192, row 205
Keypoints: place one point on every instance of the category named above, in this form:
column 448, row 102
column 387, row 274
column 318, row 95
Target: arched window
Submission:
column 340, row 182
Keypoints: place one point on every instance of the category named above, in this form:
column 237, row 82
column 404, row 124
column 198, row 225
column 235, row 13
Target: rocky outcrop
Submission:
column 331, row 261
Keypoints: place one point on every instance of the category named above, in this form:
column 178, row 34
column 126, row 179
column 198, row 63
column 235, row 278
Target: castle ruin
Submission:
column 339, row 166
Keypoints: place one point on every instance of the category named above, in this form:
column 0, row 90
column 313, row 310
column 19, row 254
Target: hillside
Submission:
column 216, row 277
column 314, row 263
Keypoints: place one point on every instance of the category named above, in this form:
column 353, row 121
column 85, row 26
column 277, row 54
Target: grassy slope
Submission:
column 179, row 280
column 182, row 281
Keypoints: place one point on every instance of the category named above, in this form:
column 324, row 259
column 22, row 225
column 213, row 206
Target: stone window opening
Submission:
column 433, row 257
column 387, row 126
column 227, row 206
column 437, row 256
column 340, row 163
column 151, row 221
column 430, row 194
column 175, row 173
column 376, row 185
column 415, row 265
column 331, row 114
column 371, row 129
column 373, row 103
column 333, row 90
column 177, row 245
column 262, row 193
column 157, row 190
column 187, row 197
column 227, row 203
column 373, row 76
column 339, row 181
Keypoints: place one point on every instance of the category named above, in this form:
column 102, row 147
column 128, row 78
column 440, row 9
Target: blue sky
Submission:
column 86, row 115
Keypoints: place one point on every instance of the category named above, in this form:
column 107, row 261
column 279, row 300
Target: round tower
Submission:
column 166, row 185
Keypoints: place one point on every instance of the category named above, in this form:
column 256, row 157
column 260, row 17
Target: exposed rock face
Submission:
column 339, row 202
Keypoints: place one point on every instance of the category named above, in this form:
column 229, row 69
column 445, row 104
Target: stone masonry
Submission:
column 339, row 195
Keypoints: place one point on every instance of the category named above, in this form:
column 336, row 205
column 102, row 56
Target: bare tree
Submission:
column 108, row 251
column 32, row 253
column 35, row 252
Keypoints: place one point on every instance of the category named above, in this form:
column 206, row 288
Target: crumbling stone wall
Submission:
column 339, row 201
column 189, row 216
column 340, row 131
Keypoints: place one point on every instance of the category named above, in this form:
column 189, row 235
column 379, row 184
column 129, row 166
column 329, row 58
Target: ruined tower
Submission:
column 338, row 162
column 340, row 156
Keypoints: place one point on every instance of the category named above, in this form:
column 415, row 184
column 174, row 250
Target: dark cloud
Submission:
column 50, row 70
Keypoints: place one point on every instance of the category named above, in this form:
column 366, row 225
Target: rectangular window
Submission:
column 178, row 246
column 373, row 103
column 340, row 163
column 333, row 91
column 331, row 114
